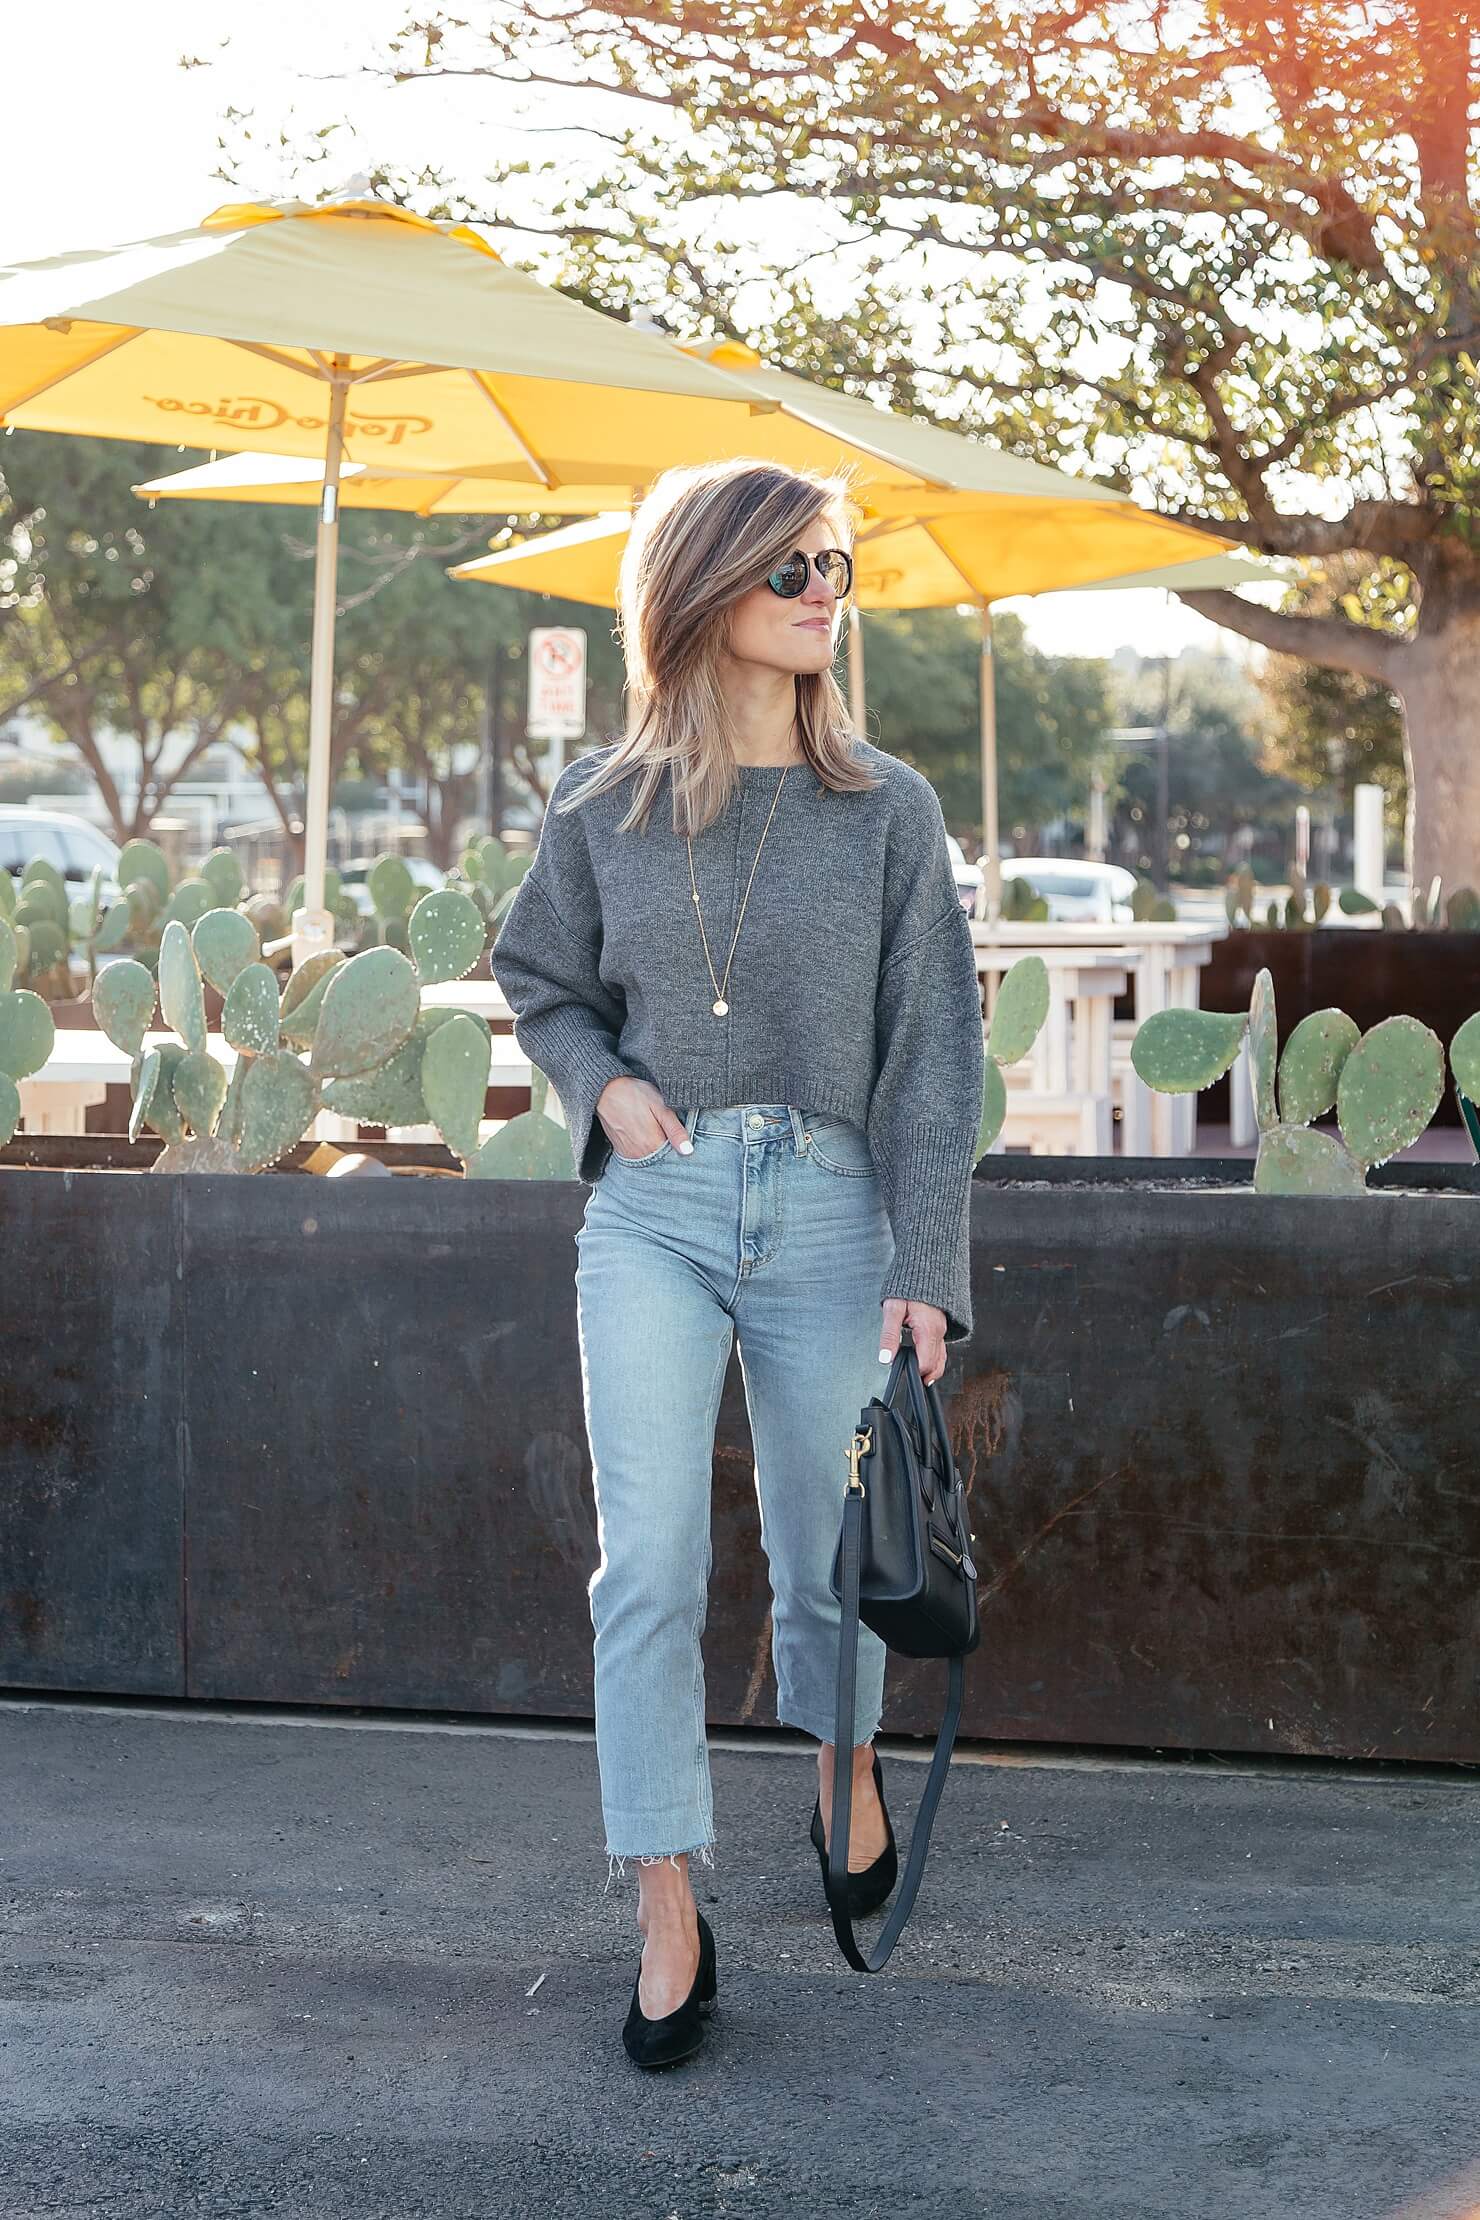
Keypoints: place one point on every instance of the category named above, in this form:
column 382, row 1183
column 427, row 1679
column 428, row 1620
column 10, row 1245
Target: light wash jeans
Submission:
column 774, row 1228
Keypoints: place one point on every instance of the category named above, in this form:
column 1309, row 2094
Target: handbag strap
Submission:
column 842, row 1795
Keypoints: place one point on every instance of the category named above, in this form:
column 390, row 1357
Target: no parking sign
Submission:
column 557, row 683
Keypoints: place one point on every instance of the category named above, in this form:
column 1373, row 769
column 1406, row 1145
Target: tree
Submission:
column 1326, row 729
column 1223, row 802
column 118, row 621
column 923, row 678
column 1225, row 253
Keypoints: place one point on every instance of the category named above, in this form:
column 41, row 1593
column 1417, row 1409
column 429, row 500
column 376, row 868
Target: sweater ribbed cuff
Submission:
column 927, row 1181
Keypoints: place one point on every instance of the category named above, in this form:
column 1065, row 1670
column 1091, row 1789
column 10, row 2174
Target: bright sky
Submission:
column 108, row 139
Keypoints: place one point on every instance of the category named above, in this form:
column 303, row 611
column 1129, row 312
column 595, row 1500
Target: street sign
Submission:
column 557, row 683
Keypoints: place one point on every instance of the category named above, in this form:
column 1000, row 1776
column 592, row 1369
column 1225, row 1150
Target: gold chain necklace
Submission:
column 720, row 1006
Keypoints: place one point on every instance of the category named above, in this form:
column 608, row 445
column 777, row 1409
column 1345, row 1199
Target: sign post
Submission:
column 557, row 692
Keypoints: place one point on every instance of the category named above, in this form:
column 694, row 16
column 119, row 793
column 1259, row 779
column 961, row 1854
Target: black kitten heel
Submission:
column 868, row 1889
column 678, row 2034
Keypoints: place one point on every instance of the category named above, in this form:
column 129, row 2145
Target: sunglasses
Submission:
column 834, row 568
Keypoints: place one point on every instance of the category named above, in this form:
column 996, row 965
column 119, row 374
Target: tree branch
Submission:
column 1329, row 640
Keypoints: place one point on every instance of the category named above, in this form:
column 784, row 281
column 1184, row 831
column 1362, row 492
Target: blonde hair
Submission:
column 704, row 536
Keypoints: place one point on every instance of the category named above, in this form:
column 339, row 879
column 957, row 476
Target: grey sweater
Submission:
column 853, row 988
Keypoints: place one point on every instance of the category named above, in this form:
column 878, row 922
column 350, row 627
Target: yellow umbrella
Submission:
column 910, row 563
column 353, row 331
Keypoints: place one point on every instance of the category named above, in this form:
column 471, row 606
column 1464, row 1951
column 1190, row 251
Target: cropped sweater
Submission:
column 853, row 988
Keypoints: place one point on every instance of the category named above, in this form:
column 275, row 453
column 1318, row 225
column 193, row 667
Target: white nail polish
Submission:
column 883, row 1356
column 685, row 1148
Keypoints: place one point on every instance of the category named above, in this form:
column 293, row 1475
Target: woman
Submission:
column 741, row 957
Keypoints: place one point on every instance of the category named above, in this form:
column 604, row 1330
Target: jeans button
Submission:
column 756, row 1118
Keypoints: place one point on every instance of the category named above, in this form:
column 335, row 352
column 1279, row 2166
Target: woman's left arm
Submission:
column 924, row 1115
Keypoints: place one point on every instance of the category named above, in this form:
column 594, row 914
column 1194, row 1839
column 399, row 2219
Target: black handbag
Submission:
column 903, row 1566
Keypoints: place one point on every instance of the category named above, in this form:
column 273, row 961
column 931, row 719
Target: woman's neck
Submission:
column 762, row 707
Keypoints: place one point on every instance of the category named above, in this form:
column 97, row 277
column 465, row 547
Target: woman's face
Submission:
column 792, row 636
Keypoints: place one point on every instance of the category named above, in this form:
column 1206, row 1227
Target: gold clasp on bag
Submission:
column 859, row 1446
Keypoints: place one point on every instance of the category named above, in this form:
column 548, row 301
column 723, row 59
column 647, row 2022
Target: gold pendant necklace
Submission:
column 720, row 1005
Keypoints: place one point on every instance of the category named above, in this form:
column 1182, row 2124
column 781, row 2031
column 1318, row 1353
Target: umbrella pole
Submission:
column 991, row 859
column 857, row 699
column 313, row 925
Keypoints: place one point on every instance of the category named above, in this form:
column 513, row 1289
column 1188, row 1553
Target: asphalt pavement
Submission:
column 361, row 1969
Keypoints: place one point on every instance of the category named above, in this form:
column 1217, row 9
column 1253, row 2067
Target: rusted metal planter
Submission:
column 305, row 1441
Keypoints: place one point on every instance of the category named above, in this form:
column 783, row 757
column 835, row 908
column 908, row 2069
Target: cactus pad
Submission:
column 180, row 998
column 278, row 1100
column 370, row 1008
column 1295, row 1161
column 223, row 875
column 1310, row 1068
column 27, row 1033
column 146, row 1084
column 1464, row 1058
column 225, row 943
column 7, row 895
column 1022, row 1006
column 1390, row 1088
column 199, row 1155
column 454, row 1079
column 1353, row 903
column 199, row 1089
column 113, row 928
column 1463, row 910
column 446, row 935
column 1263, row 1051
column 249, row 1017
column 1178, row 1051
column 303, row 996
column 140, row 859
column 190, row 901
column 48, row 944
column 10, row 954
column 10, row 1108
column 123, row 1004
column 994, row 1106
column 391, row 886
column 531, row 1146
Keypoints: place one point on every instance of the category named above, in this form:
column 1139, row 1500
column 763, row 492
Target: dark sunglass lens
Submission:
column 789, row 578
column 837, row 570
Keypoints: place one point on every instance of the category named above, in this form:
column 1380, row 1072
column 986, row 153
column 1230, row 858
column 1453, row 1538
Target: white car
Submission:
column 968, row 876
column 1077, row 893
column 71, row 843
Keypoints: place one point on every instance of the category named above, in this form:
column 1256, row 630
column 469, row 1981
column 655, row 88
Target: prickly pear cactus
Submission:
column 531, row 1146
column 278, row 1102
column 1293, row 1160
column 1021, row 1007
column 1263, row 1051
column 1179, row 1051
column 1017, row 1020
column 1311, row 1066
column 1389, row 1089
column 1464, row 1058
column 370, row 1007
column 181, row 1001
column 225, row 942
column 454, row 1080
column 446, row 933
column 123, row 1003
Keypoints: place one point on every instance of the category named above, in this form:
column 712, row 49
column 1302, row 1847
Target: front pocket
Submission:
column 662, row 1149
column 839, row 1146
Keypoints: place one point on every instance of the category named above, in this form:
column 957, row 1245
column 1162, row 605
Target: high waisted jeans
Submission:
column 774, row 1228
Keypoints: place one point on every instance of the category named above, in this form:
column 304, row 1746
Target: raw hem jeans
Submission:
column 773, row 1229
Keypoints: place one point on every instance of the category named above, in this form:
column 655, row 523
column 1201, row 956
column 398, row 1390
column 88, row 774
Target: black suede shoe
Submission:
column 868, row 1889
column 678, row 2034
